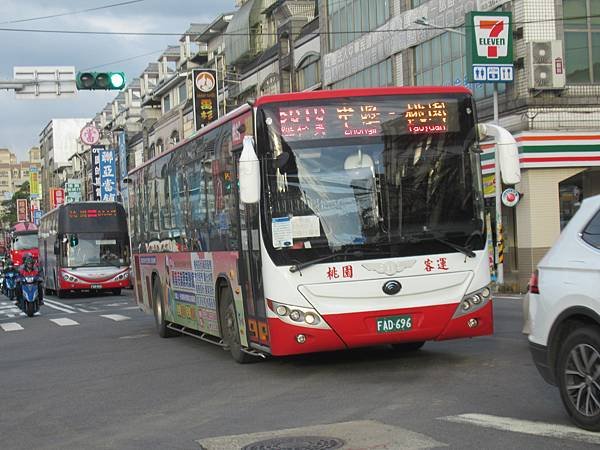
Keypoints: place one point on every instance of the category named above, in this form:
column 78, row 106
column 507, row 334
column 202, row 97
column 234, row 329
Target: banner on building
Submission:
column 108, row 176
column 122, row 143
column 22, row 210
column 57, row 197
column 35, row 188
column 96, row 149
column 73, row 191
column 206, row 106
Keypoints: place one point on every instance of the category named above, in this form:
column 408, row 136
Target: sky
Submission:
column 21, row 121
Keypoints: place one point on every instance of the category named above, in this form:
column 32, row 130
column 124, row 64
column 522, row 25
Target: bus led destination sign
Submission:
column 367, row 119
column 92, row 213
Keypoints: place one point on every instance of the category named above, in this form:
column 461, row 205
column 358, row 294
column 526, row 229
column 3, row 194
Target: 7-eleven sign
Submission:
column 489, row 40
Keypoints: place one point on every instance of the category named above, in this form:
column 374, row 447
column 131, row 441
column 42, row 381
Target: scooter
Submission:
column 30, row 292
column 10, row 283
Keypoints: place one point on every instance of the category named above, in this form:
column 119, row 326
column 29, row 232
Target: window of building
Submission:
column 374, row 76
column 160, row 146
column 307, row 72
column 582, row 40
column 350, row 19
column 182, row 92
column 416, row 3
column 441, row 61
column 174, row 138
column 166, row 103
column 270, row 85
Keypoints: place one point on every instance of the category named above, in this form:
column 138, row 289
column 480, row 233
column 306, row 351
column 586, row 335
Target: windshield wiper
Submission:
column 467, row 251
column 346, row 252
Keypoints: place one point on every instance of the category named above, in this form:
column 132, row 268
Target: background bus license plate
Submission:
column 393, row 323
column 96, row 286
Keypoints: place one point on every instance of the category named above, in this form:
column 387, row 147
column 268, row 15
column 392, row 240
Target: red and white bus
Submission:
column 354, row 218
column 84, row 246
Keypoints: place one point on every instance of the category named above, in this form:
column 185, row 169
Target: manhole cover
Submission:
column 297, row 443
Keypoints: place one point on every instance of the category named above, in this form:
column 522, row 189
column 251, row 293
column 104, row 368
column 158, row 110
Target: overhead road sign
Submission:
column 44, row 82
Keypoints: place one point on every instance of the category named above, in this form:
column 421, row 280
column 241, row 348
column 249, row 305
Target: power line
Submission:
column 73, row 12
column 358, row 32
column 131, row 58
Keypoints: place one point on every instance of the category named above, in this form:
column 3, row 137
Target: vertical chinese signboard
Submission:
column 34, row 183
column 108, row 176
column 57, row 197
column 96, row 149
column 205, row 97
column 122, row 142
column 22, row 210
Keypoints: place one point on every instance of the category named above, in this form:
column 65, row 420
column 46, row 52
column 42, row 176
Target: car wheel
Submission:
column 578, row 376
column 230, row 329
column 116, row 291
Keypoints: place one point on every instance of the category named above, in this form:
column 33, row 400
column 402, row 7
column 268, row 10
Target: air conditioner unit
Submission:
column 546, row 65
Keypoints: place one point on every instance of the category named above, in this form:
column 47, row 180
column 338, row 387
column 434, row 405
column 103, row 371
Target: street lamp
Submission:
column 424, row 22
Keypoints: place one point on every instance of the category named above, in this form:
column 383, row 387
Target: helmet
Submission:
column 28, row 260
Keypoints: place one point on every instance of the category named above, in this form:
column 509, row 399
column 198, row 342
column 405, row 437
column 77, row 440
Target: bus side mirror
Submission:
column 507, row 151
column 249, row 173
column 57, row 247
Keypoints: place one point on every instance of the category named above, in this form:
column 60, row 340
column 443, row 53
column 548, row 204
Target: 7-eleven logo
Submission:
column 491, row 34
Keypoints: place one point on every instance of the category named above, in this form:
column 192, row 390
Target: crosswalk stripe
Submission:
column 64, row 322
column 526, row 427
column 11, row 326
column 54, row 305
column 115, row 317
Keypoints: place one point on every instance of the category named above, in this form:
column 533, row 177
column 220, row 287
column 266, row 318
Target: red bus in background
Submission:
column 23, row 241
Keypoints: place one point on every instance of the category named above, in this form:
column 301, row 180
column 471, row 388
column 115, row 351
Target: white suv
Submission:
column 564, row 308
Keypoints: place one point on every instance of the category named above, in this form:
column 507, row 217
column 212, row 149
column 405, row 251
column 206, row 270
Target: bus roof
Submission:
column 361, row 92
column 24, row 227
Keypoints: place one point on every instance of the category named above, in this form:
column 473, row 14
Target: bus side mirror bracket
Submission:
column 507, row 152
column 57, row 247
column 249, row 170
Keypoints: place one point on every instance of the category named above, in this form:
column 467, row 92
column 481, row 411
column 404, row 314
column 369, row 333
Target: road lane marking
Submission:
column 64, row 305
column 64, row 322
column 115, row 317
column 526, row 427
column 54, row 305
column 135, row 336
column 11, row 326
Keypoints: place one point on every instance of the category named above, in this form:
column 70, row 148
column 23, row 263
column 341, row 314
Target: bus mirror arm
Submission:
column 56, row 247
column 507, row 149
column 249, row 173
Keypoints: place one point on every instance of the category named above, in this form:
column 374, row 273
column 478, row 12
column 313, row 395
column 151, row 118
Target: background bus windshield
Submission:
column 95, row 250
column 25, row 242
column 379, row 171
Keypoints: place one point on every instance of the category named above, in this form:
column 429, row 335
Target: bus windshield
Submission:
column 25, row 241
column 96, row 250
column 380, row 172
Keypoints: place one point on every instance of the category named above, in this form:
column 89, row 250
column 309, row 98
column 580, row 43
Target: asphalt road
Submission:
column 91, row 373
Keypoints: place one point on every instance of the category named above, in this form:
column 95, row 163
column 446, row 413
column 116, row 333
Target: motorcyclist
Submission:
column 29, row 269
column 8, row 268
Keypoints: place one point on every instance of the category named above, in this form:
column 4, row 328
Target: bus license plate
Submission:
column 393, row 324
column 96, row 286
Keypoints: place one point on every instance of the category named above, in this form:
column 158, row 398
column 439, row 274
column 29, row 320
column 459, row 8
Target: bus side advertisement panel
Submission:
column 188, row 281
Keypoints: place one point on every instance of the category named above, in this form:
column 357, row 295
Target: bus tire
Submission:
column 61, row 293
column 159, row 312
column 230, row 330
column 408, row 346
column 116, row 291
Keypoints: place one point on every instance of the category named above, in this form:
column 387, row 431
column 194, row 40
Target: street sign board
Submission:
column 89, row 135
column 35, row 190
column 108, row 175
column 22, row 210
column 73, row 190
column 45, row 82
column 489, row 47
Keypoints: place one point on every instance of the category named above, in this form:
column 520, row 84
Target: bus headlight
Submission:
column 70, row 278
column 473, row 301
column 296, row 315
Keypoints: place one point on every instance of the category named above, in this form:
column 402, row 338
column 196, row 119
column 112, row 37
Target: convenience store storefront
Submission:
column 558, row 171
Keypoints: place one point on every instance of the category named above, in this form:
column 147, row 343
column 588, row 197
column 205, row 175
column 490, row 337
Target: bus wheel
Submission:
column 408, row 346
column 116, row 291
column 230, row 329
column 159, row 316
column 61, row 293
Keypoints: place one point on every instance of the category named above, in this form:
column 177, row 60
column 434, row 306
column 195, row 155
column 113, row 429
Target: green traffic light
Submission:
column 100, row 80
column 117, row 80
